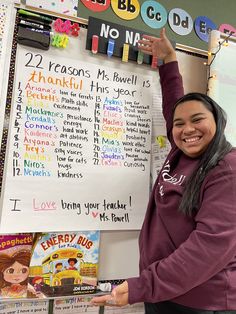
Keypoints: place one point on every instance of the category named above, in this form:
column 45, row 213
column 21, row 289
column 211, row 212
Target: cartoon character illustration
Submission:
column 37, row 283
column 72, row 262
column 58, row 267
column 14, row 271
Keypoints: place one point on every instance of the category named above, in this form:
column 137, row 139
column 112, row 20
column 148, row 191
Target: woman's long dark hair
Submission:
column 216, row 150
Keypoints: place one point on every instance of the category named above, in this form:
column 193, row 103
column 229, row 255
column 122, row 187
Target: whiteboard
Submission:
column 119, row 249
column 81, row 137
column 222, row 79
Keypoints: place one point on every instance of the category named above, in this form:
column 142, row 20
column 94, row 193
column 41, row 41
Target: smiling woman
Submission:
column 194, row 127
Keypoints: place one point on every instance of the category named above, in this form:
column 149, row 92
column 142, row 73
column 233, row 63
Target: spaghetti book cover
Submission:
column 15, row 253
column 64, row 264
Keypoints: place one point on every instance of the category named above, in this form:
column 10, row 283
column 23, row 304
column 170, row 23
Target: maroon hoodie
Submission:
column 188, row 260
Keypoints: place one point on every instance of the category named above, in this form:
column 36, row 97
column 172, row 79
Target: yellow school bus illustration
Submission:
column 62, row 267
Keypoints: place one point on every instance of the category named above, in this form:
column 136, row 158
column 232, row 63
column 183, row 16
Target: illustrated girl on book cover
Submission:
column 15, row 253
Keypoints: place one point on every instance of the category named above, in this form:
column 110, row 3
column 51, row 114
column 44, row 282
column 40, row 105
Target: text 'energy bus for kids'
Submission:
column 64, row 264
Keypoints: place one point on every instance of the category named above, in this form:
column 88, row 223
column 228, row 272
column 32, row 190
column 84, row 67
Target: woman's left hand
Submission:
column 118, row 297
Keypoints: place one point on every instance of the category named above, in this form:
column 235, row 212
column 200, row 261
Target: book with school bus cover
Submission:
column 64, row 263
column 15, row 253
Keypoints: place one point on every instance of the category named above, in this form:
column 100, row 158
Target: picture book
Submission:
column 15, row 253
column 64, row 264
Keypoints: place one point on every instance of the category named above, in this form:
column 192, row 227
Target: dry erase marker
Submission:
column 33, row 20
column 27, row 13
column 30, row 24
column 110, row 47
column 125, row 56
column 94, row 44
column 29, row 20
column 46, row 32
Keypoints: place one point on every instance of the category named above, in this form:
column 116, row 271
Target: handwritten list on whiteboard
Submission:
column 78, row 154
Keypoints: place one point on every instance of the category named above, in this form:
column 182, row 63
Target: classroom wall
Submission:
column 119, row 249
column 119, row 254
column 219, row 12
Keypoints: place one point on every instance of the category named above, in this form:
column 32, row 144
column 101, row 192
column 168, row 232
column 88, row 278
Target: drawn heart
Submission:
column 94, row 214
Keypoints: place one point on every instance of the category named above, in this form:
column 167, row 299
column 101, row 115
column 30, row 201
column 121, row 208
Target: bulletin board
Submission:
column 124, row 191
